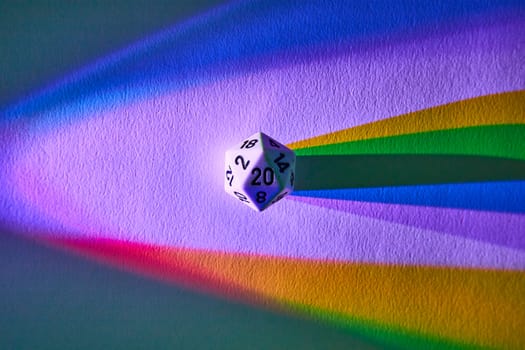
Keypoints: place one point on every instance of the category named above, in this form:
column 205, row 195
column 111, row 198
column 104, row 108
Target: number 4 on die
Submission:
column 259, row 171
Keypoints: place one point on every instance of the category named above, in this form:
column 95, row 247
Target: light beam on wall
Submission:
column 122, row 162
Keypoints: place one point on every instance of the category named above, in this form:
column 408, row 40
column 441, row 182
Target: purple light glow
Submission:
column 138, row 172
column 473, row 224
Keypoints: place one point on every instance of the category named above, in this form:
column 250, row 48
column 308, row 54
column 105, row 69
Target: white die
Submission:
column 259, row 171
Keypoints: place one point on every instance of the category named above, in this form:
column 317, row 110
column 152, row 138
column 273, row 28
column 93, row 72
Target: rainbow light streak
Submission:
column 409, row 301
column 237, row 39
column 118, row 163
column 474, row 224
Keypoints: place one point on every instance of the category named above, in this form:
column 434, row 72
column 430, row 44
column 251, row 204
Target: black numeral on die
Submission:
column 274, row 144
column 241, row 197
column 268, row 176
column 229, row 175
column 249, row 143
column 282, row 165
column 279, row 197
column 261, row 197
column 241, row 159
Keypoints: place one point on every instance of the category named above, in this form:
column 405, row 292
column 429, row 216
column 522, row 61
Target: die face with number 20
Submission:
column 259, row 171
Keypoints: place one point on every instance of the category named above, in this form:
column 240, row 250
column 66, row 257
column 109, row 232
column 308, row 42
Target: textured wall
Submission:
column 407, row 225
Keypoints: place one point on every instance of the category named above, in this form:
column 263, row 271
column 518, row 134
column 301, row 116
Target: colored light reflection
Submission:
column 120, row 162
column 380, row 301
